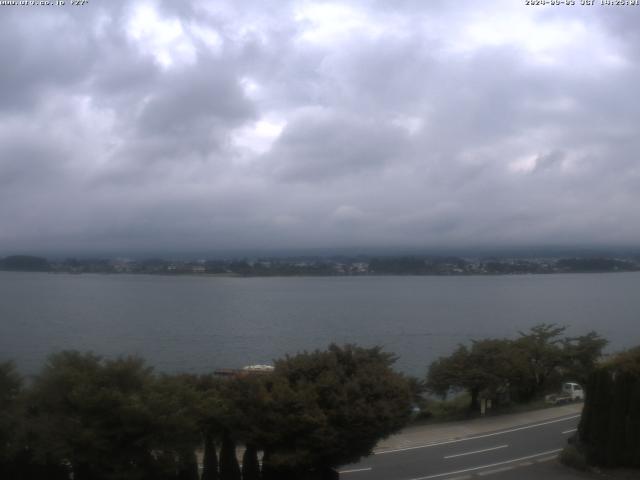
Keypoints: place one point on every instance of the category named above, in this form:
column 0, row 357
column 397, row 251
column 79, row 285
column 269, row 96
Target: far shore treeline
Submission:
column 330, row 266
column 89, row 418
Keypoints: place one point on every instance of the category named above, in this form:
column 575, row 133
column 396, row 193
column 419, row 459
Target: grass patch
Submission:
column 457, row 408
column 433, row 411
column 520, row 407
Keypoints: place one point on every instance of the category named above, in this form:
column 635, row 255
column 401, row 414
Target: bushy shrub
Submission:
column 574, row 458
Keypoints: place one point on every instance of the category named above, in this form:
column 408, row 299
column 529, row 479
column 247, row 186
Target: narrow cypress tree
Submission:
column 633, row 431
column 82, row 471
column 609, row 431
column 614, row 447
column 250, row 465
column 229, row 468
column 188, row 469
column 210, row 460
column 268, row 472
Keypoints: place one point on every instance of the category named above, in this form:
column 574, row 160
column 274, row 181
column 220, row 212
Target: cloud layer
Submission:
column 216, row 125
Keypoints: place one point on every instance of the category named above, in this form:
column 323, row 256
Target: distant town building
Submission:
column 245, row 371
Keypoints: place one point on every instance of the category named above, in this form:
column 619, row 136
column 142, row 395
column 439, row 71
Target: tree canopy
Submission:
column 516, row 369
column 332, row 407
column 92, row 418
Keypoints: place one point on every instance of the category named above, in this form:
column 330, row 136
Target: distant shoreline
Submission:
column 237, row 275
column 328, row 266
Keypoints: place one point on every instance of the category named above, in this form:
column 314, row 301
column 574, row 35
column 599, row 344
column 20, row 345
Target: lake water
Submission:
column 196, row 324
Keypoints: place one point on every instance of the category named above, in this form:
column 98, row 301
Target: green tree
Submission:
column 581, row 355
column 10, row 421
column 188, row 466
column 328, row 408
column 60, row 401
column 485, row 369
column 542, row 348
column 250, row 465
column 111, row 419
column 10, row 388
column 241, row 412
column 214, row 410
column 229, row 468
column 210, row 459
column 449, row 373
column 519, row 369
column 172, row 402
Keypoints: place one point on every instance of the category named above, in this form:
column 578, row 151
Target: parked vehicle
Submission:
column 570, row 392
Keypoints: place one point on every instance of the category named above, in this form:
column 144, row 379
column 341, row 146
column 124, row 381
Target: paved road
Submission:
column 480, row 455
column 543, row 469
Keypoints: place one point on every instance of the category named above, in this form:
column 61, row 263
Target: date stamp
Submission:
column 43, row 3
column 583, row 3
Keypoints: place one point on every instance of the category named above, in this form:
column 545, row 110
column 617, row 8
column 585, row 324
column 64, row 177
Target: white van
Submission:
column 574, row 390
column 570, row 392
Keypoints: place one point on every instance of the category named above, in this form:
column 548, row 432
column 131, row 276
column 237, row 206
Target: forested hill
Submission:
column 331, row 266
column 25, row 263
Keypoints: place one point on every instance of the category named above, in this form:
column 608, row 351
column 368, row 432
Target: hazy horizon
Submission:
column 196, row 127
column 496, row 251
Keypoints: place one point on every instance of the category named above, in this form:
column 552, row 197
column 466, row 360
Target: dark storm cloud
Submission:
column 319, row 145
column 207, row 94
column 198, row 125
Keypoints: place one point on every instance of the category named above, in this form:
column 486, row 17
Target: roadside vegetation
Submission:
column 456, row 408
column 506, row 373
column 89, row 418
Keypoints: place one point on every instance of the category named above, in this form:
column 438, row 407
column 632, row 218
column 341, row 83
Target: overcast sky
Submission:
column 207, row 125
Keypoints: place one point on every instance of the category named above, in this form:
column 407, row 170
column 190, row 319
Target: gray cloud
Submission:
column 187, row 125
column 320, row 145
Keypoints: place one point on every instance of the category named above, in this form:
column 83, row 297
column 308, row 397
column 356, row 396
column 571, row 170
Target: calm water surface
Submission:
column 196, row 324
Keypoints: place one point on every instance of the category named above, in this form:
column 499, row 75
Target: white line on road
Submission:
column 495, row 470
column 355, row 470
column 488, row 466
column 546, row 459
column 476, row 451
column 571, row 430
column 477, row 436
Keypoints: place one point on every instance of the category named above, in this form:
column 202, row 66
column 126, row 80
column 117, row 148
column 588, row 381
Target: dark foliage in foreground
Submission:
column 609, row 430
column 88, row 418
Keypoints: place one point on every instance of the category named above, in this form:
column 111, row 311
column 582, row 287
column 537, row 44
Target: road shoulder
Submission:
column 554, row 470
column 427, row 434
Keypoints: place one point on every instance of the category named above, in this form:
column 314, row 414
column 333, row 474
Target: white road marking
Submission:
column 495, row 470
column 477, row 436
column 462, row 477
column 476, row 451
column 546, row 459
column 488, row 466
column 571, row 430
column 355, row 470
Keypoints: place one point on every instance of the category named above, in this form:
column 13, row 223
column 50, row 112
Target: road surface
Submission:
column 477, row 456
